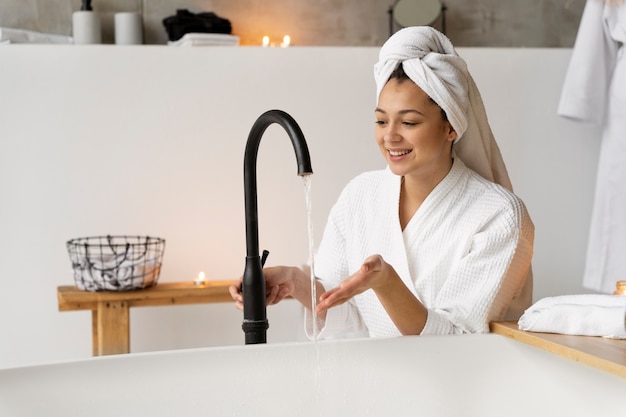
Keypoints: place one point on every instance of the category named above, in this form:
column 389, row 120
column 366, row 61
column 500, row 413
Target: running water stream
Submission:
column 307, row 196
column 314, row 318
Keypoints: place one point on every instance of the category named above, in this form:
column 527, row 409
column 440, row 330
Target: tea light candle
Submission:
column 266, row 41
column 286, row 41
column 200, row 280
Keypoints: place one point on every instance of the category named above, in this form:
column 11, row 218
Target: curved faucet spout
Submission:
column 255, row 322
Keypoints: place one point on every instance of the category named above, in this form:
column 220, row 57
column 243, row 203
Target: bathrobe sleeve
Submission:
column 585, row 89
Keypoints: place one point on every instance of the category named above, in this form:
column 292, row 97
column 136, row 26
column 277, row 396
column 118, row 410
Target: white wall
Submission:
column 150, row 140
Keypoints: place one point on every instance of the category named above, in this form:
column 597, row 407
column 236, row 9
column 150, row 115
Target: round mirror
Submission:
column 416, row 12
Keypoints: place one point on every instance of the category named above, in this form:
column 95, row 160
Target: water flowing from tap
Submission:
column 309, row 211
column 314, row 317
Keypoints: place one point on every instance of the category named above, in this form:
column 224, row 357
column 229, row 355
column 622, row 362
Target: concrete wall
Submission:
column 506, row 23
column 150, row 140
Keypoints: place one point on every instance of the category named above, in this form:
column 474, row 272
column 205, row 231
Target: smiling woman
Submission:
column 415, row 138
column 437, row 243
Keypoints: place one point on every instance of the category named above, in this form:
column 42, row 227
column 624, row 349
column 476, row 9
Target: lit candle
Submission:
column 266, row 41
column 286, row 41
column 200, row 280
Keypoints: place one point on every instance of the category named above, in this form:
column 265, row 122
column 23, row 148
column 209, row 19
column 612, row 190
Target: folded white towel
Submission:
column 206, row 39
column 429, row 59
column 8, row 35
column 583, row 315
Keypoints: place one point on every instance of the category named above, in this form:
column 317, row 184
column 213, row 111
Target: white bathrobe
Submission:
column 465, row 254
column 595, row 91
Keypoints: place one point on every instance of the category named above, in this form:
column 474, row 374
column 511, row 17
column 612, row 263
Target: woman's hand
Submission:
column 279, row 284
column 371, row 275
column 404, row 308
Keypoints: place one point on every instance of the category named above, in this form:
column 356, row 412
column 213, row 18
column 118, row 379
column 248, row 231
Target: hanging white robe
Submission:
column 465, row 254
column 595, row 91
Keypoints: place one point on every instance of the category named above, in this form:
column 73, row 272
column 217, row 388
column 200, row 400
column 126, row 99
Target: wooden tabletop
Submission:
column 169, row 293
column 599, row 352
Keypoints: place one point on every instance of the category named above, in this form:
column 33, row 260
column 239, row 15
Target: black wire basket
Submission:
column 116, row 263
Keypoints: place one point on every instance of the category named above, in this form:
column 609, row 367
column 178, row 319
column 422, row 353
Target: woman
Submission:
column 427, row 246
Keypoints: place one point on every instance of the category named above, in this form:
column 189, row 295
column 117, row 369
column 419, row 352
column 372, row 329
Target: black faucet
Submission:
column 255, row 322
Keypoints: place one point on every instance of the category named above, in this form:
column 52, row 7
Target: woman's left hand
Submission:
column 370, row 276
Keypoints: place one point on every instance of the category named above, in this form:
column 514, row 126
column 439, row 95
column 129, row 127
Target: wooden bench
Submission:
column 110, row 310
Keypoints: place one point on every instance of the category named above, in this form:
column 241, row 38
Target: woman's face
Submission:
column 411, row 133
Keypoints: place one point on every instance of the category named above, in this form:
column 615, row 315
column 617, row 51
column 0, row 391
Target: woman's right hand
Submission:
column 279, row 284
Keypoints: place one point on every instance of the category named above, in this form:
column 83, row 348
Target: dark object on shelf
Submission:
column 86, row 5
column 186, row 22
column 116, row 263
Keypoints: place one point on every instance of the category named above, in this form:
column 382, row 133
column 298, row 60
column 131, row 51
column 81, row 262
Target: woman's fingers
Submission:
column 355, row 284
column 235, row 293
column 330, row 301
column 336, row 296
column 275, row 291
column 272, row 295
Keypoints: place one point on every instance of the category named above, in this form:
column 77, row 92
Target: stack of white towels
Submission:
column 206, row 39
column 583, row 315
column 8, row 35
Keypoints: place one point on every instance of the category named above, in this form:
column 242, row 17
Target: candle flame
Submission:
column 286, row 41
column 266, row 40
column 200, row 280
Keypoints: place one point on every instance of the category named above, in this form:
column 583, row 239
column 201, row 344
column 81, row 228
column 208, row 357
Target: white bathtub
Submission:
column 477, row 375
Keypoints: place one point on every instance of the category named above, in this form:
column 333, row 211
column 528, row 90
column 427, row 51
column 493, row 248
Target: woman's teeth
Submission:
column 398, row 153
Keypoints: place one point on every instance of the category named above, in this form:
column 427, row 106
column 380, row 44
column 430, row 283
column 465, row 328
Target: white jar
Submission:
column 86, row 27
column 128, row 28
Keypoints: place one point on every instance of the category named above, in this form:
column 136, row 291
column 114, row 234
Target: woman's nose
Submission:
column 391, row 133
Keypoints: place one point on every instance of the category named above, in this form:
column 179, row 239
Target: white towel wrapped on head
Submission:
column 582, row 315
column 430, row 61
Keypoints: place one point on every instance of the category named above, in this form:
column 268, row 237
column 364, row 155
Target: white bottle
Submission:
column 86, row 27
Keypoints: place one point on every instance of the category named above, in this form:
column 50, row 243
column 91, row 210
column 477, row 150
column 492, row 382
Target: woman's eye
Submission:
column 380, row 122
column 409, row 123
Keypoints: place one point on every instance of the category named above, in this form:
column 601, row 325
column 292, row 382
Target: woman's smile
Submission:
column 397, row 153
